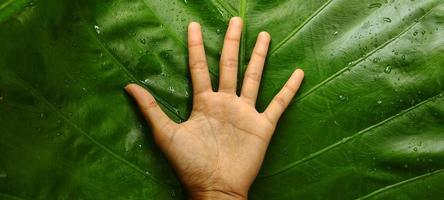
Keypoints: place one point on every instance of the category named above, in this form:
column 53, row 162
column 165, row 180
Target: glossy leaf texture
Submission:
column 368, row 122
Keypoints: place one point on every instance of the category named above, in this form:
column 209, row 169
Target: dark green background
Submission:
column 368, row 122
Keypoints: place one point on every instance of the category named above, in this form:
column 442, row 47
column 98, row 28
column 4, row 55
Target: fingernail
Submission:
column 299, row 71
column 235, row 21
column 128, row 87
column 264, row 34
column 193, row 24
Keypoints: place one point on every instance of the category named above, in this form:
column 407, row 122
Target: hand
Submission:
column 218, row 152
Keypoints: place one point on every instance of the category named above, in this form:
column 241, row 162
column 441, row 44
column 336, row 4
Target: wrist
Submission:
column 216, row 194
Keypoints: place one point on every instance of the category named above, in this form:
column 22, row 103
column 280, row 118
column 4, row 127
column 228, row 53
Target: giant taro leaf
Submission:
column 368, row 122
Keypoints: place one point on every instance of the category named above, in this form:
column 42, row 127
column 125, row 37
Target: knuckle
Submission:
column 280, row 101
column 195, row 44
column 259, row 54
column 253, row 76
column 232, row 39
column 290, row 88
column 230, row 63
column 198, row 65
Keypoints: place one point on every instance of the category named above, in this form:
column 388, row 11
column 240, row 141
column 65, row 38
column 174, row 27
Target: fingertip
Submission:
column 193, row 26
column 129, row 87
column 265, row 35
column 299, row 73
column 236, row 21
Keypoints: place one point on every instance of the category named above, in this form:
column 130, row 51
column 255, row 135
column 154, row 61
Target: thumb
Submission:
column 159, row 121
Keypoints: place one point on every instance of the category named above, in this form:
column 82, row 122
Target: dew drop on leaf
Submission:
column 142, row 40
column 376, row 60
column 375, row 5
column 171, row 89
column 218, row 31
column 97, row 28
column 379, row 102
column 388, row 69
column 343, row 98
column 386, row 19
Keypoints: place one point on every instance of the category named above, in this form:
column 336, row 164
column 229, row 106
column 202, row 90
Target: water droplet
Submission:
column 336, row 122
column 335, row 33
column 147, row 172
column 386, row 19
column 142, row 40
column 218, row 31
column 379, row 102
column 375, row 5
column 185, row 1
column 97, row 28
column 376, row 60
column 171, row 89
column 415, row 149
column 406, row 166
column 343, row 98
column 140, row 146
column 415, row 33
column 388, row 69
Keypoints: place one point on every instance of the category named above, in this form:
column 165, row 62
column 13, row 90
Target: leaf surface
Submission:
column 368, row 122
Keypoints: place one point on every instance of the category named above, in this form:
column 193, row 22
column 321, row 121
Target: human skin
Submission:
column 218, row 152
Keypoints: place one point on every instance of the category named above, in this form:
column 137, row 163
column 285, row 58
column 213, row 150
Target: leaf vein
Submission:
column 220, row 4
column 300, row 27
column 36, row 94
column 392, row 186
column 132, row 77
column 361, row 59
column 347, row 139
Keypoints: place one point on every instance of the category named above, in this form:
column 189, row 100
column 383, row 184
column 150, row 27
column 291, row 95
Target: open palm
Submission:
column 218, row 152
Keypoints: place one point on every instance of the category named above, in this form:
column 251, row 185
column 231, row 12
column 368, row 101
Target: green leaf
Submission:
column 368, row 122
